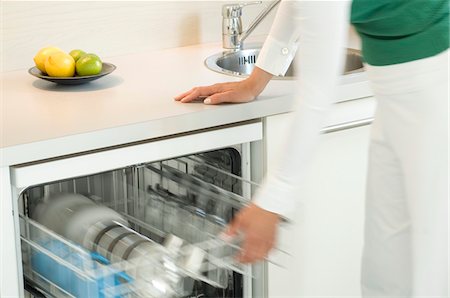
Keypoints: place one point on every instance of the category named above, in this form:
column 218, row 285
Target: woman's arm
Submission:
column 323, row 27
column 319, row 29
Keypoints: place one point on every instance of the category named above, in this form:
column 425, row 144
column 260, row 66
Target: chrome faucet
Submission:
column 232, row 34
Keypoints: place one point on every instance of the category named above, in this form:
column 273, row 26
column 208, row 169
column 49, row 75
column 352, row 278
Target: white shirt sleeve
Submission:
column 319, row 29
column 281, row 44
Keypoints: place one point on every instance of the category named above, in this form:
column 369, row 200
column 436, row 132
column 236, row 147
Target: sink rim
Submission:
column 211, row 63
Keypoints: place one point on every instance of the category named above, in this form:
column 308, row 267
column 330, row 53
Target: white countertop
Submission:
column 41, row 120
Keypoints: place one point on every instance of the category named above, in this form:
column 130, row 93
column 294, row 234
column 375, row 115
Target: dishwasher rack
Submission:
column 176, row 207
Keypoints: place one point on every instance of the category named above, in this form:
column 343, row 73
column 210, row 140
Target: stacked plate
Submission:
column 71, row 215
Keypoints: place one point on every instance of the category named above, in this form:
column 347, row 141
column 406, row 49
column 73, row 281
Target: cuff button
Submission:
column 284, row 51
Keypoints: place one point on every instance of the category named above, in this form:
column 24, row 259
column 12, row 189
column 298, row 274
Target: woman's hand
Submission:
column 259, row 228
column 242, row 91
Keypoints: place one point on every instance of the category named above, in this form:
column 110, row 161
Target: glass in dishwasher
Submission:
column 153, row 214
column 170, row 217
column 214, row 225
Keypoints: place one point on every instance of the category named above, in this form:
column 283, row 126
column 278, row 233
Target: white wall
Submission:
column 109, row 28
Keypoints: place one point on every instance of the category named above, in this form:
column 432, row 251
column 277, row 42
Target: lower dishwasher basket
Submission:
column 151, row 230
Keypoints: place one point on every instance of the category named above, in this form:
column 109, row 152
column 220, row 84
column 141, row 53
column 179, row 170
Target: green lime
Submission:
column 76, row 54
column 88, row 65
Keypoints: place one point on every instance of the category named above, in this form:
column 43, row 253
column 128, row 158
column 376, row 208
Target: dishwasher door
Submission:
column 172, row 193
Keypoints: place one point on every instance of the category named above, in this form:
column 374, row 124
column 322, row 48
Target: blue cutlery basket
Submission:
column 75, row 271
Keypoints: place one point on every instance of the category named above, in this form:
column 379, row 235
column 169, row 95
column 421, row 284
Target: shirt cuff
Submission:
column 278, row 197
column 276, row 57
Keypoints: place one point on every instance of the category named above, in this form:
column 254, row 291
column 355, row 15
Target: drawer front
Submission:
column 96, row 162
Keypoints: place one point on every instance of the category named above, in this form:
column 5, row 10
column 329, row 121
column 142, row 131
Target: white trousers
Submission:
column 406, row 230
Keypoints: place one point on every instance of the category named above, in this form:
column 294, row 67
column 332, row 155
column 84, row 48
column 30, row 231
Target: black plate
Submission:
column 107, row 68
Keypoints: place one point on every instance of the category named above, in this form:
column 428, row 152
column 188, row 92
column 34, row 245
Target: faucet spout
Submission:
column 232, row 34
column 258, row 20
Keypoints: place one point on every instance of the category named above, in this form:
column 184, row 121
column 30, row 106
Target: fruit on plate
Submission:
column 76, row 54
column 88, row 65
column 54, row 62
column 42, row 56
column 60, row 64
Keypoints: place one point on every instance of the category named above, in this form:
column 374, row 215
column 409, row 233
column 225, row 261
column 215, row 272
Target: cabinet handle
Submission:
column 347, row 125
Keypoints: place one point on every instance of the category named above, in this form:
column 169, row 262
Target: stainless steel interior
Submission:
column 190, row 197
column 241, row 63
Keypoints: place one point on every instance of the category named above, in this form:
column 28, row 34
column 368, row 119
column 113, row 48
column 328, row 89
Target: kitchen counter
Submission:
column 41, row 120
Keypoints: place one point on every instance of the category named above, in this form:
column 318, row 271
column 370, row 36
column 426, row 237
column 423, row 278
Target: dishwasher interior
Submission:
column 148, row 230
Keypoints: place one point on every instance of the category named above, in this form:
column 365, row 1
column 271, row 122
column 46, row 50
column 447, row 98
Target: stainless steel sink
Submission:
column 240, row 63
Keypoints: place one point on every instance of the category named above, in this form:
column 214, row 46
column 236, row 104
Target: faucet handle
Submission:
column 235, row 10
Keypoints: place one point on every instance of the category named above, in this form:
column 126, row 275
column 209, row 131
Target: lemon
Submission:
column 60, row 64
column 88, row 65
column 42, row 56
column 76, row 54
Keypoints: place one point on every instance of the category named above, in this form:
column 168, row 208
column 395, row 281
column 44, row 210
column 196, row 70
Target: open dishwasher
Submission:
column 147, row 229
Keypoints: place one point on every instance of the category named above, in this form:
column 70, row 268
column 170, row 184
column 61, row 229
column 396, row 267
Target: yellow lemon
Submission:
column 42, row 56
column 60, row 64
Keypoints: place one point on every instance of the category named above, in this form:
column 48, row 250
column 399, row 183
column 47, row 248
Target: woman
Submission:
column 405, row 47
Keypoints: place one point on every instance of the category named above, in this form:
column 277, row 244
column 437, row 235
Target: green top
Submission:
column 397, row 31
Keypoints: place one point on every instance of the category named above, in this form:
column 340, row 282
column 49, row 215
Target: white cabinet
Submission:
column 327, row 240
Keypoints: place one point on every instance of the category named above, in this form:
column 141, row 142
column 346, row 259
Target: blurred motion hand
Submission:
column 235, row 92
column 258, row 228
